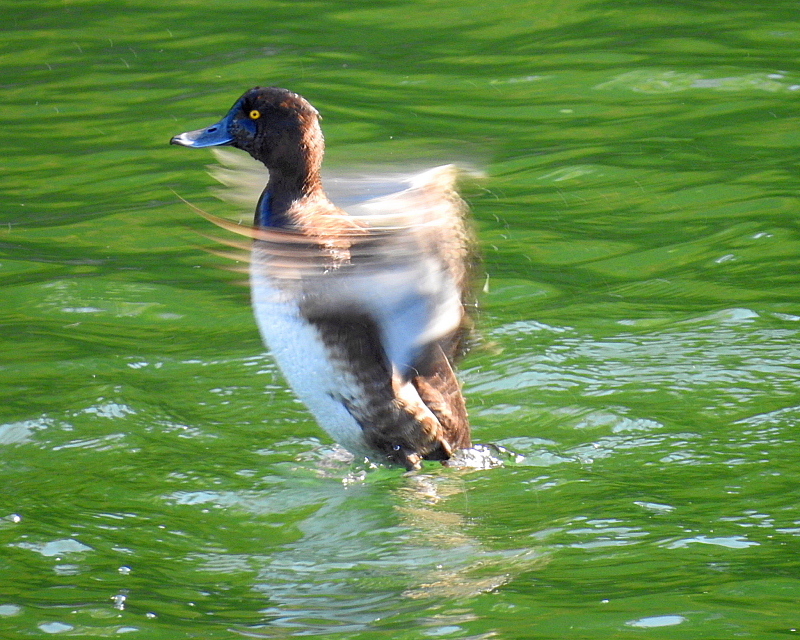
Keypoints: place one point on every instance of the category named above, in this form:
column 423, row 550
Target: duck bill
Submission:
column 216, row 135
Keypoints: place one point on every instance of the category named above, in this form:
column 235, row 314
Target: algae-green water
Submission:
column 638, row 351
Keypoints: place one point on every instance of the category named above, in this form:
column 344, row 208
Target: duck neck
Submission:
column 283, row 191
column 294, row 178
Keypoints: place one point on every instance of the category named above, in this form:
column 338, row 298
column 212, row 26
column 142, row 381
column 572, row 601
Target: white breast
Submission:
column 301, row 355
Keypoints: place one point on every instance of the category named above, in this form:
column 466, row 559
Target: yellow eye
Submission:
column 255, row 114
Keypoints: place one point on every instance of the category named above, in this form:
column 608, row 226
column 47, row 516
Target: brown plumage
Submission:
column 375, row 296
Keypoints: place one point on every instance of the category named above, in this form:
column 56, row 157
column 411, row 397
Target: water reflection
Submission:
column 363, row 555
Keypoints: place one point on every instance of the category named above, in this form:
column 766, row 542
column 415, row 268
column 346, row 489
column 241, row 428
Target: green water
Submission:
column 639, row 226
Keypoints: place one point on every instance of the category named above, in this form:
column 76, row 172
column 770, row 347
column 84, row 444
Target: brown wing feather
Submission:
column 440, row 390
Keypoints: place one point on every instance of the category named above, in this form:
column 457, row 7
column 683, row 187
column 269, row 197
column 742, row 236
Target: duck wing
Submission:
column 400, row 256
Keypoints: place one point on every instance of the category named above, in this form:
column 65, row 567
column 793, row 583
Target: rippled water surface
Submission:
column 639, row 353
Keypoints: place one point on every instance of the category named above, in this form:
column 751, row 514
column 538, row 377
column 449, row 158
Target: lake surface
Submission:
column 639, row 354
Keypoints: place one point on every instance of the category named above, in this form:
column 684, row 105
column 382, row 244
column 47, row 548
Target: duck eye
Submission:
column 255, row 114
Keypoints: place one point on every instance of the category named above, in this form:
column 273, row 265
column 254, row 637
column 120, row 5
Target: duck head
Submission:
column 275, row 126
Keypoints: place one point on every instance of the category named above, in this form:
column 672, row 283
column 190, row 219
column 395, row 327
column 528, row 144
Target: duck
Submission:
column 364, row 310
